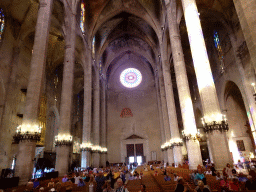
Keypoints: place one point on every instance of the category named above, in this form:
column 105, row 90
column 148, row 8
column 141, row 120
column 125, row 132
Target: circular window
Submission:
column 130, row 77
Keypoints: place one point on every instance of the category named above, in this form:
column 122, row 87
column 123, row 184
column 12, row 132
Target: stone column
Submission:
column 174, row 129
column 166, row 123
column 87, row 116
column 30, row 123
column 187, row 112
column 103, row 120
column 96, row 118
column 212, row 114
column 246, row 14
column 63, row 148
column 161, row 117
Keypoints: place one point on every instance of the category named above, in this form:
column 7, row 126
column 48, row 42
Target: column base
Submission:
column 25, row 163
column 85, row 160
column 219, row 148
column 194, row 154
column 170, row 156
column 62, row 159
column 177, row 153
column 96, row 160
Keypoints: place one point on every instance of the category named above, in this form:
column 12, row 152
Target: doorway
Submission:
column 135, row 153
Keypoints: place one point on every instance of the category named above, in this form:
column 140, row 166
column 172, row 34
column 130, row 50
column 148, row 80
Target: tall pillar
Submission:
column 103, row 120
column 246, row 14
column 212, row 114
column 64, row 138
column 166, row 123
column 193, row 146
column 161, row 117
column 30, row 124
column 96, row 118
column 87, row 116
column 177, row 153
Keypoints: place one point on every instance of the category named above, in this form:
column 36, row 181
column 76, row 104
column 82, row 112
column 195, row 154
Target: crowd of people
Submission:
column 229, row 178
column 110, row 179
column 115, row 178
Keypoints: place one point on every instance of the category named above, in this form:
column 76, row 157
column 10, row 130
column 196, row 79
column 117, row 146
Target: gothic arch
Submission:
column 52, row 125
column 237, row 118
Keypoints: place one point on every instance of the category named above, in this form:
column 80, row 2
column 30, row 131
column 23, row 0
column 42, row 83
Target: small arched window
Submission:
column 82, row 18
column 2, row 24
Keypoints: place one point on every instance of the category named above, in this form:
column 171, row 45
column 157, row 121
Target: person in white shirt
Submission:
column 77, row 178
column 175, row 177
column 208, row 172
column 219, row 176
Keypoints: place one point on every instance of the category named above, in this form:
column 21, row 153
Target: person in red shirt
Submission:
column 234, row 185
column 224, row 184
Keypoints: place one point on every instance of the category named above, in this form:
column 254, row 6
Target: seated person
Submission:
column 51, row 183
column 219, row 176
column 193, row 176
column 81, row 183
column 167, row 178
column 180, row 185
column 156, row 173
column 208, row 172
column 36, row 183
column 175, row 177
column 64, row 179
column 234, row 174
column 224, row 184
column 234, row 185
column 201, row 187
column 200, row 176
column 250, row 184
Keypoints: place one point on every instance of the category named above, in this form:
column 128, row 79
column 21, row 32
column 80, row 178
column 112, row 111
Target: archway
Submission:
column 241, row 143
column 51, row 132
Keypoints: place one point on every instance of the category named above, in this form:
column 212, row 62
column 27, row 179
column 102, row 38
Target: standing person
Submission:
column 100, row 180
column 228, row 171
column 120, row 187
column 214, row 173
column 91, row 186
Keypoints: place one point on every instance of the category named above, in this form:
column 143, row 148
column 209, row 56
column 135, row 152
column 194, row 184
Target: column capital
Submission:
column 31, row 137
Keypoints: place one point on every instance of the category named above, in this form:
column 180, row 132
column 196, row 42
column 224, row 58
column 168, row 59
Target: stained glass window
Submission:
column 82, row 19
column 93, row 45
column 217, row 44
column 131, row 77
column 219, row 49
column 2, row 23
